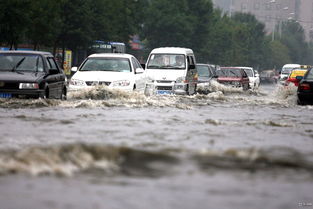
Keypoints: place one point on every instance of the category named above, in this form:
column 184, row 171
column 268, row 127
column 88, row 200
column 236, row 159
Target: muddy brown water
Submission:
column 112, row 149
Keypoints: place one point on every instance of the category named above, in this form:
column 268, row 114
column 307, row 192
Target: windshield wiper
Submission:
column 18, row 64
column 153, row 66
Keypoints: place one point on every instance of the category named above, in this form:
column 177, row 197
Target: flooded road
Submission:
column 111, row 149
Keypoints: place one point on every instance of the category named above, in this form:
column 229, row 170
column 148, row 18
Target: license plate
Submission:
column 5, row 95
column 164, row 92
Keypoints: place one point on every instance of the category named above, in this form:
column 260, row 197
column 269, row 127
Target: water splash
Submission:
column 66, row 160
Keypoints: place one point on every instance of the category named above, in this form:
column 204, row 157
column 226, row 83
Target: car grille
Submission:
column 4, row 85
column 161, row 81
column 95, row 83
column 169, row 88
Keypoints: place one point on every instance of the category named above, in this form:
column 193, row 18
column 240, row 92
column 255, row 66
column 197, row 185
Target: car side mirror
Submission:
column 139, row 70
column 192, row 66
column 53, row 71
column 143, row 66
column 299, row 78
column 74, row 69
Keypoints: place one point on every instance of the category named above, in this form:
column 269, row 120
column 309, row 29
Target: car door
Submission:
column 55, row 78
column 192, row 75
column 139, row 76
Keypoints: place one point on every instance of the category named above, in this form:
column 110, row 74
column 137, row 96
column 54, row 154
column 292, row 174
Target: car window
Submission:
column 40, row 64
column 309, row 75
column 203, row 71
column 107, row 64
column 167, row 61
column 230, row 72
column 249, row 72
column 51, row 63
column 19, row 62
column 135, row 63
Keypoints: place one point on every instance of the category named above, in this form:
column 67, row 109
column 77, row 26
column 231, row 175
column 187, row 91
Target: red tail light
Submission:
column 305, row 86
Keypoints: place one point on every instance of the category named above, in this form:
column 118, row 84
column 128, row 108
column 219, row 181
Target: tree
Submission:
column 45, row 24
column 14, row 20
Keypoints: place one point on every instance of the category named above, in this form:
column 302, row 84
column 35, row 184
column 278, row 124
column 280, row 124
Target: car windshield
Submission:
column 107, row 64
column 286, row 70
column 309, row 75
column 204, row 71
column 249, row 72
column 229, row 72
column 167, row 61
column 20, row 62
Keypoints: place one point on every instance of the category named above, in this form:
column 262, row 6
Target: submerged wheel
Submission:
column 64, row 94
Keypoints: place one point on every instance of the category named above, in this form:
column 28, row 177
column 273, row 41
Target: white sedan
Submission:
column 121, row 71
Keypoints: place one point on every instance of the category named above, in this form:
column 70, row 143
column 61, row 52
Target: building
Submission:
column 273, row 12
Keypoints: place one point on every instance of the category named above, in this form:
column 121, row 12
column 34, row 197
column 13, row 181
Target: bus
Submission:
column 107, row 47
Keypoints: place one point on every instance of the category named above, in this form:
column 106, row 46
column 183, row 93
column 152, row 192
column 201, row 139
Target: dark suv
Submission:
column 31, row 74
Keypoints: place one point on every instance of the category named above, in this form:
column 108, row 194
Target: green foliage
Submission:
column 214, row 37
column 14, row 20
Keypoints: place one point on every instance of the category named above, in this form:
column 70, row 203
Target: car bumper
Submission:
column 305, row 97
column 7, row 93
column 169, row 88
column 73, row 88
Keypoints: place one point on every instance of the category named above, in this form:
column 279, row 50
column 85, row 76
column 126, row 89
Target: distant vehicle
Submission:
column 292, row 78
column 254, row 77
column 206, row 73
column 305, row 88
column 286, row 70
column 232, row 76
column 268, row 76
column 31, row 74
column 120, row 71
column 107, row 47
column 171, row 70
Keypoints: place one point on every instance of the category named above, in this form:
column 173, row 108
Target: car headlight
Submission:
column 181, row 80
column 76, row 82
column 29, row 86
column 121, row 83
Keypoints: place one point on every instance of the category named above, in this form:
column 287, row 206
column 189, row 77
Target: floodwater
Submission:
column 116, row 150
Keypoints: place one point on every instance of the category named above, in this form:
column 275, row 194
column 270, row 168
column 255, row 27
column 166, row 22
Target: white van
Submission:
column 286, row 70
column 171, row 70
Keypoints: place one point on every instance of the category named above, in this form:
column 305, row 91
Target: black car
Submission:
column 206, row 73
column 31, row 74
column 305, row 88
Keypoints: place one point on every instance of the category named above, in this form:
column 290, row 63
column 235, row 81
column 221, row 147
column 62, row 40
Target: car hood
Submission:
column 202, row 79
column 102, row 76
column 169, row 75
column 21, row 76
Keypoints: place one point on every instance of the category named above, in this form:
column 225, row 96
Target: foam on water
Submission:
column 101, row 96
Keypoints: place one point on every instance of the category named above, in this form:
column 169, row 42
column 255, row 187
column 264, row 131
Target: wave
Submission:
column 66, row 160
column 101, row 96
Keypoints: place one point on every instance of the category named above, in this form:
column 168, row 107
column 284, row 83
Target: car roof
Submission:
column 116, row 55
column 291, row 65
column 26, row 52
column 235, row 68
column 172, row 50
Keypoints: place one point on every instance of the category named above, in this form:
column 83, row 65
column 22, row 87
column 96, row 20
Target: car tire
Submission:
column 299, row 102
column 45, row 95
column 63, row 94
